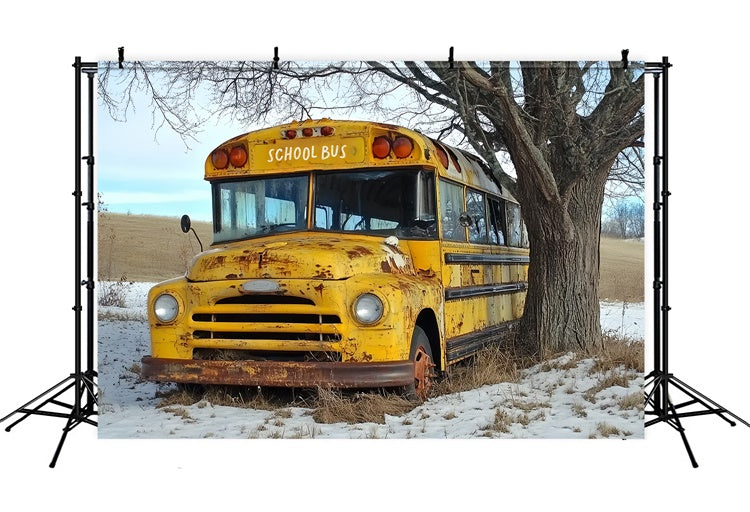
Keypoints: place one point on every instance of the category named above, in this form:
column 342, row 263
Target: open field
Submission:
column 621, row 277
column 147, row 248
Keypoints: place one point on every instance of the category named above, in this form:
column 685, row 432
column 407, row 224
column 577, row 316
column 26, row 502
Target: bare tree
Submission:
column 624, row 218
column 567, row 127
column 619, row 219
column 636, row 220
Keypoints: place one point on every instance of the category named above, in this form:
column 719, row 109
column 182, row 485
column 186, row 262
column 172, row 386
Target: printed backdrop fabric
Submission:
column 373, row 250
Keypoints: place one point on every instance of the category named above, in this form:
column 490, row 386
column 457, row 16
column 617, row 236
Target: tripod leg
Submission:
column 681, row 430
column 67, row 429
column 702, row 399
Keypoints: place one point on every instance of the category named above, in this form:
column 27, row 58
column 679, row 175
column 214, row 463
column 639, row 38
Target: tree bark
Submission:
column 562, row 303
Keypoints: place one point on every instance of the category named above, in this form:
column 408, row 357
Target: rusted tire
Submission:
column 421, row 354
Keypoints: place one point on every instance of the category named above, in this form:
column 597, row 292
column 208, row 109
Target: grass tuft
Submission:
column 607, row 430
column 632, row 401
column 491, row 365
column 334, row 406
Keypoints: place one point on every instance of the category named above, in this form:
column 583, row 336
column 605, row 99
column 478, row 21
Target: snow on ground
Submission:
column 552, row 400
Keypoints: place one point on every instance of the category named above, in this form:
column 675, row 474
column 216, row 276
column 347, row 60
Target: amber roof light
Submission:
column 238, row 156
column 381, row 147
column 402, row 147
column 220, row 158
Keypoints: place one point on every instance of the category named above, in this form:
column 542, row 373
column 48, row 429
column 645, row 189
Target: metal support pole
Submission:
column 90, row 278
column 82, row 383
column 665, row 233
column 657, row 241
column 658, row 401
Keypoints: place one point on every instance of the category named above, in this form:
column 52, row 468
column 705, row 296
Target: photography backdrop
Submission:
column 158, row 121
column 712, row 34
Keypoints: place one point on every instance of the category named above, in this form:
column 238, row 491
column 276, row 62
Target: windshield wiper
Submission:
column 272, row 228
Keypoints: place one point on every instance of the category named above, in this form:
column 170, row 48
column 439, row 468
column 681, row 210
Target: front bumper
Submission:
column 279, row 373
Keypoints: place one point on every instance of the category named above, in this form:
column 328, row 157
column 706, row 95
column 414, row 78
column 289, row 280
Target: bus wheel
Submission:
column 421, row 354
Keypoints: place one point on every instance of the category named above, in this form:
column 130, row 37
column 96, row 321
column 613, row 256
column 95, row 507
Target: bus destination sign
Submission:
column 302, row 153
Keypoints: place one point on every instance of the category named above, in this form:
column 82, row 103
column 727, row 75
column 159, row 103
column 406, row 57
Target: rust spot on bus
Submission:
column 215, row 262
column 358, row 252
column 429, row 273
column 319, row 289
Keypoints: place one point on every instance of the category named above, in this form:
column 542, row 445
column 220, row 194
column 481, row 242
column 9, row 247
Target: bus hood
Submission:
column 305, row 256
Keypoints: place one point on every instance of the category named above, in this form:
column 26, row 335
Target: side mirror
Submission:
column 465, row 220
column 185, row 223
column 186, row 226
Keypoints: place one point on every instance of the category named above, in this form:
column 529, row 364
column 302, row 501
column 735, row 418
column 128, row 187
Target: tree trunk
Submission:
column 562, row 304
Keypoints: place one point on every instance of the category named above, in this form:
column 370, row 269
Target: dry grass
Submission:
column 271, row 399
column 617, row 378
column 632, row 401
column 501, row 422
column 490, row 365
column 615, row 352
column 179, row 396
column 145, row 247
column 579, row 410
column 621, row 270
column 607, row 430
column 333, row 406
column 114, row 293
column 178, row 411
column 328, row 406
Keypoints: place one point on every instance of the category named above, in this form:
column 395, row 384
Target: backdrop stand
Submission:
column 658, row 401
column 82, row 382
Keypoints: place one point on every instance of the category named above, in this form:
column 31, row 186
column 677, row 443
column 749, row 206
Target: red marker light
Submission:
column 326, row 131
column 402, row 147
column 381, row 147
column 441, row 155
column 238, row 156
column 220, row 158
column 290, row 134
column 307, row 132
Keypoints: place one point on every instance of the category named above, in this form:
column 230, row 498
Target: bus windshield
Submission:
column 257, row 207
column 377, row 202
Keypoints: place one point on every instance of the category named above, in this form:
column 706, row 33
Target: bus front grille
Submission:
column 266, row 317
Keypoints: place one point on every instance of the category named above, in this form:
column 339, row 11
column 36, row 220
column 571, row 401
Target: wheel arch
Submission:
column 428, row 322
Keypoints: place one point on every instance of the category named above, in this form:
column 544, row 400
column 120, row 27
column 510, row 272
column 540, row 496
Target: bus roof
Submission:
column 327, row 144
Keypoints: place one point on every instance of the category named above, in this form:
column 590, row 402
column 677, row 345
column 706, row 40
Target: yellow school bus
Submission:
column 345, row 254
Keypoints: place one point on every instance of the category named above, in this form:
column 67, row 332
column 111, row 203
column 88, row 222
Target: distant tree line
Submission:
column 624, row 218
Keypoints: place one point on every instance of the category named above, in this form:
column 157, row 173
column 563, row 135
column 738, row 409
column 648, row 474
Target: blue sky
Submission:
column 143, row 172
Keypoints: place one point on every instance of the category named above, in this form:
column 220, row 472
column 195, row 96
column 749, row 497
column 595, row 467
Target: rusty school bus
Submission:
column 345, row 254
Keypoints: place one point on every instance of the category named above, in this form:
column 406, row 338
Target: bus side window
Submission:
column 475, row 209
column 497, row 221
column 514, row 225
column 451, row 206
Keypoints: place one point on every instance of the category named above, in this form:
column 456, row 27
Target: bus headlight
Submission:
column 368, row 308
column 166, row 308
